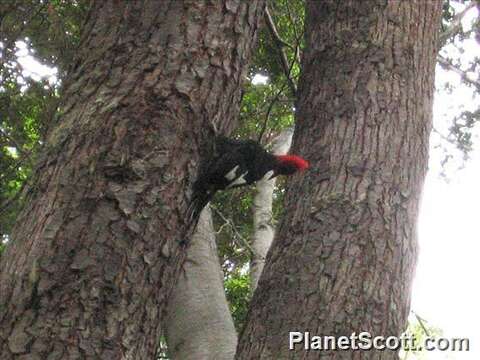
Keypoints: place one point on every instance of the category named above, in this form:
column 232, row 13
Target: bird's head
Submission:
column 290, row 164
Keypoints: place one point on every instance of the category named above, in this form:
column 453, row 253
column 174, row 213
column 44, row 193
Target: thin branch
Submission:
column 243, row 241
column 273, row 29
column 455, row 26
column 443, row 137
column 267, row 115
column 445, row 63
column 421, row 322
column 272, row 103
column 298, row 36
column 221, row 228
column 281, row 44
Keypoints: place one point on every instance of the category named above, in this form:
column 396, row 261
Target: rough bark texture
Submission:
column 199, row 324
column 263, row 230
column 97, row 249
column 345, row 252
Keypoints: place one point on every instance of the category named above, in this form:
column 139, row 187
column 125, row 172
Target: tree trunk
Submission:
column 99, row 245
column 263, row 229
column 345, row 252
column 199, row 324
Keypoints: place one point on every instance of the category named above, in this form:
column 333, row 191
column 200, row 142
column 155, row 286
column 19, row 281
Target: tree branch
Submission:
column 421, row 321
column 455, row 26
column 272, row 103
column 243, row 241
column 448, row 65
column 281, row 44
column 298, row 36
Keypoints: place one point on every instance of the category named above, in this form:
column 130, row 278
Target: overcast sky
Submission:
column 446, row 289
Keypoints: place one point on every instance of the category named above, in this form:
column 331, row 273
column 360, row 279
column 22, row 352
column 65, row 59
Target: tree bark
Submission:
column 345, row 252
column 199, row 324
column 98, row 247
column 263, row 230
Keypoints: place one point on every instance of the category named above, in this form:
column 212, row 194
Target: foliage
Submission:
column 23, row 121
column 288, row 16
column 51, row 27
column 2, row 247
column 238, row 293
column 420, row 330
column 49, row 32
column 264, row 103
column 458, row 63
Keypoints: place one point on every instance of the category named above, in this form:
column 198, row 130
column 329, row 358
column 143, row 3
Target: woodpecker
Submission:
column 238, row 163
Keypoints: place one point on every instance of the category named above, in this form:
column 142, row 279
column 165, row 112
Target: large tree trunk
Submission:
column 98, row 247
column 199, row 324
column 345, row 252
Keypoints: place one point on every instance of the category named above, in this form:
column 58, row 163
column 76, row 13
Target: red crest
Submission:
column 294, row 160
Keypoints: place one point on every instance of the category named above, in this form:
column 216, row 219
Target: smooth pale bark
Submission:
column 97, row 249
column 199, row 324
column 345, row 252
column 263, row 230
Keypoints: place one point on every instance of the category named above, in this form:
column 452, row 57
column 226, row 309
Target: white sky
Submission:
column 446, row 289
column 446, row 286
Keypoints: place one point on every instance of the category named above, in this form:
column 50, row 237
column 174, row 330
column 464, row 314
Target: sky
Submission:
column 446, row 285
column 446, row 288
